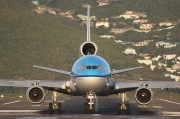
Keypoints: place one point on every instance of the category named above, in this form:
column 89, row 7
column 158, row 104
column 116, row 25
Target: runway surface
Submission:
column 73, row 107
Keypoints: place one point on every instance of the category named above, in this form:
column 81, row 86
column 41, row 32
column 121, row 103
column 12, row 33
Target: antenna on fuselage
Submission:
column 88, row 24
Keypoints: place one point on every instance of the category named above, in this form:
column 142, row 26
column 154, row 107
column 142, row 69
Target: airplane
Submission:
column 90, row 77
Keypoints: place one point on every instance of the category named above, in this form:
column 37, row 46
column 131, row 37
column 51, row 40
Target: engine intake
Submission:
column 88, row 48
column 143, row 96
column 35, row 94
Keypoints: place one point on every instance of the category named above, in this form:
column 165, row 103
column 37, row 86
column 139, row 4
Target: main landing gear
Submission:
column 89, row 107
column 54, row 104
column 124, row 106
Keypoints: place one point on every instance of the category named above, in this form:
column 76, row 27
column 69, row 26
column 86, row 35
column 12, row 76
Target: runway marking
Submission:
column 57, row 101
column 19, row 111
column 96, row 105
column 169, row 101
column 142, row 106
column 11, row 102
column 157, row 106
column 38, row 118
column 36, row 105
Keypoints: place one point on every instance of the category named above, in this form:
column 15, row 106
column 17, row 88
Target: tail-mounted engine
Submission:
column 88, row 48
column 143, row 96
column 35, row 94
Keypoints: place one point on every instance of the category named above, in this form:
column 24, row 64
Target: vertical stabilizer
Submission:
column 88, row 24
column 88, row 47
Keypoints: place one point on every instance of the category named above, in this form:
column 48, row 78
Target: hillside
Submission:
column 51, row 41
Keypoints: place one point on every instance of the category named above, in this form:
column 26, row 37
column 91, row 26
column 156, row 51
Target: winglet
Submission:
column 88, row 24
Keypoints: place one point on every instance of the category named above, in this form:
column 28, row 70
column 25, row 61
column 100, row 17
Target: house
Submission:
column 102, row 23
column 169, row 57
column 130, row 51
column 169, row 46
column 35, row 2
column 118, row 41
column 176, row 66
column 84, row 18
column 165, row 24
column 156, row 58
column 170, row 70
column 67, row 14
column 140, row 21
column 147, row 62
column 162, row 64
column 143, row 43
column 146, row 26
column 107, row 36
column 152, row 67
column 161, row 43
column 42, row 9
column 103, row 2
column 119, row 31
column 132, row 15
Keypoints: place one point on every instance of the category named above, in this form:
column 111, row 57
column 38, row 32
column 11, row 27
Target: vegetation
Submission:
column 29, row 39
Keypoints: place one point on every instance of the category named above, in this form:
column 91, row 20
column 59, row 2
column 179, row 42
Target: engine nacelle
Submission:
column 35, row 94
column 143, row 95
column 88, row 48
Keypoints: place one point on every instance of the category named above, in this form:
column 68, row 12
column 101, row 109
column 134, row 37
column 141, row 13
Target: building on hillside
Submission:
column 140, row 21
column 170, row 70
column 152, row 67
column 102, row 23
column 169, row 57
column 165, row 24
column 130, row 51
column 176, row 66
column 146, row 26
column 161, row 43
column 147, row 62
column 156, row 58
column 103, row 2
column 107, row 36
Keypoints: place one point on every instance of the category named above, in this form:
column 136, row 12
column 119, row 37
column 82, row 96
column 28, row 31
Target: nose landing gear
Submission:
column 89, row 107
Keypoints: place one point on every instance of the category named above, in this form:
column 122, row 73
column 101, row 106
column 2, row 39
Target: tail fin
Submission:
column 88, row 47
column 88, row 24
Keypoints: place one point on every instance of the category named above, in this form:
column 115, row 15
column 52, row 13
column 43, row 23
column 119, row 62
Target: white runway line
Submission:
column 169, row 101
column 36, row 105
column 96, row 105
column 157, row 107
column 19, row 111
column 11, row 102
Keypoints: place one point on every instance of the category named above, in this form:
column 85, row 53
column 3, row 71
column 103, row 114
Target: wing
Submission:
column 50, row 85
column 54, row 70
column 128, row 86
column 124, row 70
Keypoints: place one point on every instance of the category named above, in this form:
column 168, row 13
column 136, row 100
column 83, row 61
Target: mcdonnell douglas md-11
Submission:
column 90, row 77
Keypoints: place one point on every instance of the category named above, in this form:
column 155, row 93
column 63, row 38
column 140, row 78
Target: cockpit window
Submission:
column 91, row 67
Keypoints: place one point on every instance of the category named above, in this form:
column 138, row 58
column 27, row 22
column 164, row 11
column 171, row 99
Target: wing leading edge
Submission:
column 54, row 70
column 124, row 70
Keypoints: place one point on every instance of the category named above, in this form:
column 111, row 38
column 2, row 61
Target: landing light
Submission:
column 2, row 96
column 20, row 96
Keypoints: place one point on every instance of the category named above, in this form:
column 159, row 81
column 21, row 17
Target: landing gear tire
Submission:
column 119, row 109
column 127, row 109
column 59, row 108
column 50, row 108
column 87, row 109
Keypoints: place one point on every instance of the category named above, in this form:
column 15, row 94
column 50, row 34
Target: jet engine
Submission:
column 143, row 95
column 35, row 94
column 88, row 48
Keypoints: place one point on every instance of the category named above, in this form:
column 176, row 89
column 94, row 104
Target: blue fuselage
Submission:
column 91, row 73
